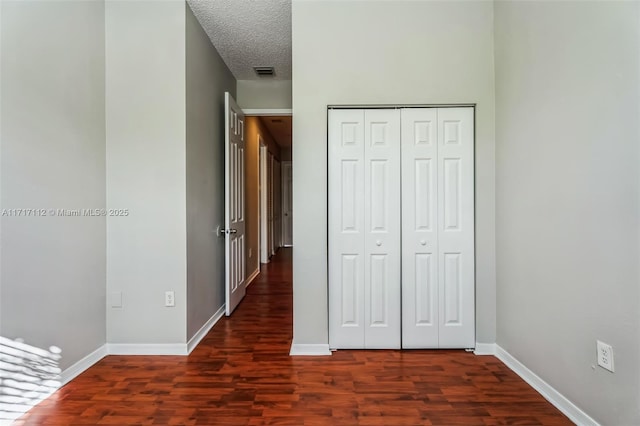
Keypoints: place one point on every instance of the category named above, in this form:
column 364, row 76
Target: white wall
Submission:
column 568, row 195
column 377, row 52
column 264, row 94
column 52, row 145
column 146, row 169
column 207, row 79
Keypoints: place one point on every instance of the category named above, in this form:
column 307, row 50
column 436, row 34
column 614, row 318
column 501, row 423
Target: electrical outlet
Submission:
column 169, row 298
column 605, row 355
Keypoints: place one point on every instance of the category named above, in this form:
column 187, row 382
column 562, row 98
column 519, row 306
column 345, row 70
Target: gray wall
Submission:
column 52, row 287
column 207, row 79
column 377, row 52
column 568, row 194
column 146, row 169
column 164, row 112
column 264, row 94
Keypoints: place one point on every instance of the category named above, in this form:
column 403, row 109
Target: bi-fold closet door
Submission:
column 364, row 228
column 401, row 217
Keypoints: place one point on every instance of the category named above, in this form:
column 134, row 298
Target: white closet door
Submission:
column 431, row 205
column 456, row 228
column 419, row 228
column 382, row 228
column 346, row 229
column 364, row 229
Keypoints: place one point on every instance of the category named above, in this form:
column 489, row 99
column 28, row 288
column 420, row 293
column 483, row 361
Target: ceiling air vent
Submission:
column 264, row 71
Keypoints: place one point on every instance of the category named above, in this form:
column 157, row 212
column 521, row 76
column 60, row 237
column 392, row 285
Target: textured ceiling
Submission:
column 280, row 129
column 249, row 33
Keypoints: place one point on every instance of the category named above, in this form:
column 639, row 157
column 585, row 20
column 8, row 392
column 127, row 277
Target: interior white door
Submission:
column 364, row 228
column 264, row 205
column 456, row 257
column 234, row 204
column 346, row 229
column 438, row 286
column 382, row 225
column 419, row 228
column 272, row 213
column 287, row 204
column 277, row 205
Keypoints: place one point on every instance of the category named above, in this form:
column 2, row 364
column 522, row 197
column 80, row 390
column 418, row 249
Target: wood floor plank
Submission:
column 242, row 374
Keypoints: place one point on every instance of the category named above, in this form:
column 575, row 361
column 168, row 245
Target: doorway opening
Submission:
column 269, row 212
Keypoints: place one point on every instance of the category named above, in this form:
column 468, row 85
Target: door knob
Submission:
column 378, row 243
column 423, row 242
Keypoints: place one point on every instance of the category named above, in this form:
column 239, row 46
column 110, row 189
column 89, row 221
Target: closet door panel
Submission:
column 382, row 225
column 456, row 268
column 401, row 228
column 346, row 229
column 419, row 228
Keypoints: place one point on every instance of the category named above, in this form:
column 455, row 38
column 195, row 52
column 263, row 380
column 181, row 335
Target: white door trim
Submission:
column 267, row 112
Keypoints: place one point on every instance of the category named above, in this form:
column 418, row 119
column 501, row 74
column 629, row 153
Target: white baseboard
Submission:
column 298, row 349
column 79, row 367
column 485, row 349
column 252, row 276
column 147, row 349
column 569, row 409
column 139, row 349
column 44, row 392
column 193, row 342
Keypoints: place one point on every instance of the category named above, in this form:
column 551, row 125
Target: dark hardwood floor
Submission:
column 242, row 374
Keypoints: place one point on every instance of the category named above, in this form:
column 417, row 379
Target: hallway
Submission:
column 242, row 374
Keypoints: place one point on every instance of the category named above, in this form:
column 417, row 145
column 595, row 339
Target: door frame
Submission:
column 265, row 112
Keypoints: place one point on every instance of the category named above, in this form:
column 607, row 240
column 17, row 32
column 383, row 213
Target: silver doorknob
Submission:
column 423, row 242
column 378, row 243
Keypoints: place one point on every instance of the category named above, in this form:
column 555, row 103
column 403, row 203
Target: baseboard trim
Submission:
column 251, row 277
column 485, row 349
column 195, row 340
column 45, row 391
column 301, row 349
column 147, row 349
column 568, row 408
column 84, row 364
